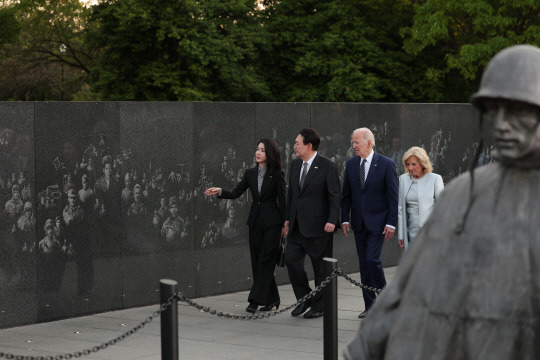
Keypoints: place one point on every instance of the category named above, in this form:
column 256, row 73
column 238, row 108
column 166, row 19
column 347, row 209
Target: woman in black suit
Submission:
column 266, row 218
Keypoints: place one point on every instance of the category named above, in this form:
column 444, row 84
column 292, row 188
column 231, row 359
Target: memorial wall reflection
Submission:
column 101, row 200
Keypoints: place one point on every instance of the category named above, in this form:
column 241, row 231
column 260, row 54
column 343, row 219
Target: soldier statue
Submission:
column 470, row 287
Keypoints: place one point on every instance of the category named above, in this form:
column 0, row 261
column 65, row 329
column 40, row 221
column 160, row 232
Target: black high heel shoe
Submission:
column 270, row 306
column 252, row 308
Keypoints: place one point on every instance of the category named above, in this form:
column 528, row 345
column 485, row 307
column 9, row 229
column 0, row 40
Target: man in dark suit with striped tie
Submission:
column 311, row 217
column 370, row 195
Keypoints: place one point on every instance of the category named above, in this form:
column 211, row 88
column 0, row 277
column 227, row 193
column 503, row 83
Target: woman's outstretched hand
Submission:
column 212, row 191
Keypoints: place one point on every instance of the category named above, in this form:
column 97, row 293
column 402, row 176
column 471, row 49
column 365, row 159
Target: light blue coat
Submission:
column 429, row 190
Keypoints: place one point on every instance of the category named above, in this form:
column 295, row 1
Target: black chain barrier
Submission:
column 266, row 314
column 351, row 280
column 96, row 348
column 181, row 297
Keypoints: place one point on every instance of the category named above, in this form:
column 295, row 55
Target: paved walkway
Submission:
column 201, row 335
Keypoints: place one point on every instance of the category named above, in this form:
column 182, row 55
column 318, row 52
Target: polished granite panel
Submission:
column 157, row 197
column 384, row 121
column 459, row 139
column 18, row 297
column 335, row 122
column 79, row 221
column 281, row 121
column 115, row 255
column 419, row 123
column 448, row 133
column 420, row 126
column 224, row 146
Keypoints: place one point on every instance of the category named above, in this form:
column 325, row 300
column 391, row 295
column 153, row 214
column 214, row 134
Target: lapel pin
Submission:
column 316, row 168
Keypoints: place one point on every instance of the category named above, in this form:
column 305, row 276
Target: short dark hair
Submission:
column 273, row 156
column 311, row 136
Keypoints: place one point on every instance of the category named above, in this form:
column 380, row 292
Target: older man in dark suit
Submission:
column 312, row 215
column 370, row 195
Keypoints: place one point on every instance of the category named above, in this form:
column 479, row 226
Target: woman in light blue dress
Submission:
column 419, row 189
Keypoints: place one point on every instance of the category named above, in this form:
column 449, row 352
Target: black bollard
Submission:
column 330, row 312
column 169, row 320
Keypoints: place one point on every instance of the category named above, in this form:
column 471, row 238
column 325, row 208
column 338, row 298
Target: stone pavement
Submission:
column 201, row 335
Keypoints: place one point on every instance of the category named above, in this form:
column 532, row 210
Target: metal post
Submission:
column 169, row 320
column 330, row 312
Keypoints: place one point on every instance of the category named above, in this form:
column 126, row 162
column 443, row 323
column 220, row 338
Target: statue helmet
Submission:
column 512, row 74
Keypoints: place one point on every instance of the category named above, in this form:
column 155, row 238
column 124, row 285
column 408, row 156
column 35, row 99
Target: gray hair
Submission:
column 366, row 134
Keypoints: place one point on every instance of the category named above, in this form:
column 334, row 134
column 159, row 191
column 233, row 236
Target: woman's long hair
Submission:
column 273, row 156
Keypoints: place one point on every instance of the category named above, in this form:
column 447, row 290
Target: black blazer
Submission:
column 318, row 202
column 270, row 203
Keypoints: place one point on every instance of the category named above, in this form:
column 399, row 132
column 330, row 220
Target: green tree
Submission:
column 342, row 51
column 42, row 56
column 180, row 50
column 10, row 26
column 464, row 35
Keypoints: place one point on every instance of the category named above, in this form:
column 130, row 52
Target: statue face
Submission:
column 516, row 130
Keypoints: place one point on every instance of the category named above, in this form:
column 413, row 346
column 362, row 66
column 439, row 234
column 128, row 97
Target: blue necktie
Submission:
column 362, row 173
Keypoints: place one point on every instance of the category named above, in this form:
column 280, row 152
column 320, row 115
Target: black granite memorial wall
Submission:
column 101, row 200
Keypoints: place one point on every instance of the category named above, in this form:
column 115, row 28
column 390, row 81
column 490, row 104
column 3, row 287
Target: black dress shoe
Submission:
column 362, row 314
column 300, row 309
column 252, row 308
column 270, row 307
column 312, row 314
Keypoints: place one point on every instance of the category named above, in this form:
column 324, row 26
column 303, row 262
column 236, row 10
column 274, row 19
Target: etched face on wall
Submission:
column 107, row 170
column 137, row 194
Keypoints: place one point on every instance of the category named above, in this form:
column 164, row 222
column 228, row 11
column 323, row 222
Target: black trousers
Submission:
column 298, row 247
column 264, row 249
